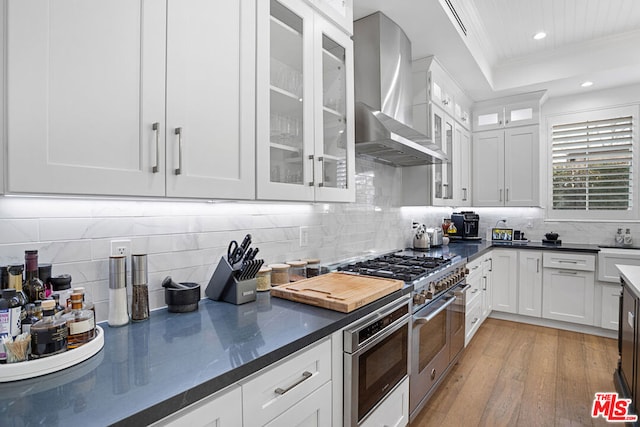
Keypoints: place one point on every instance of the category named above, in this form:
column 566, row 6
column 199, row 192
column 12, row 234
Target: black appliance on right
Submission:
column 466, row 223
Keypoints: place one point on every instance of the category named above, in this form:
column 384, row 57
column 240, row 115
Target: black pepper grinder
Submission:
column 140, row 298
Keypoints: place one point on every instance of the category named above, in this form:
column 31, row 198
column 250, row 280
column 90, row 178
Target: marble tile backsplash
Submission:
column 186, row 239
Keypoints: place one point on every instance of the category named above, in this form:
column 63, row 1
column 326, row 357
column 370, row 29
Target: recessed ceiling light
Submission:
column 540, row 35
column 587, row 84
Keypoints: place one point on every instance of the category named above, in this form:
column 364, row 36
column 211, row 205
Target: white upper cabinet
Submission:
column 339, row 11
column 305, row 134
column 508, row 112
column 506, row 167
column 87, row 101
column 86, row 96
column 440, row 111
column 210, row 123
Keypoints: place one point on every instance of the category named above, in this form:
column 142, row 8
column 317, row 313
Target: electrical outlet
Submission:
column 120, row 248
column 304, row 236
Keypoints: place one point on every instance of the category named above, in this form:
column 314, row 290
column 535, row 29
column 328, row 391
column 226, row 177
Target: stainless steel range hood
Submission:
column 383, row 93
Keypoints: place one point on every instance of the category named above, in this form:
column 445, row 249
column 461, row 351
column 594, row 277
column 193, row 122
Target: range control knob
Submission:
column 419, row 298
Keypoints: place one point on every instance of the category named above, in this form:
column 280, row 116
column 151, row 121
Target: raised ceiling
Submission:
column 597, row 40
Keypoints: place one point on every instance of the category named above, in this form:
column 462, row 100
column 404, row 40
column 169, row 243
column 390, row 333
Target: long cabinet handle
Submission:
column 567, row 272
column 321, row 160
column 178, row 131
column 500, row 195
column 506, row 199
column 305, row 376
column 313, row 171
column 464, row 194
column 156, row 130
column 537, row 265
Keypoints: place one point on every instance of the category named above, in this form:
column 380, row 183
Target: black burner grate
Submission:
column 403, row 267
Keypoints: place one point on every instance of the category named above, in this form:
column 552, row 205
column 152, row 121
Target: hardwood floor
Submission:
column 514, row 374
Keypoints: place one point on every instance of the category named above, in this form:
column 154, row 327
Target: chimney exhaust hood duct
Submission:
column 383, row 93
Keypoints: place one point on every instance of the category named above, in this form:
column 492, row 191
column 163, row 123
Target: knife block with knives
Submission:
column 225, row 286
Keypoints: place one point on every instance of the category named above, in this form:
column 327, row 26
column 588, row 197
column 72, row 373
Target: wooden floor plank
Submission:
column 523, row 375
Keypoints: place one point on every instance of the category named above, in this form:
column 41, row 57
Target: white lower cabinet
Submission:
column 530, row 283
column 222, row 409
column 568, row 287
column 610, row 305
column 294, row 392
column 473, row 320
column 474, row 298
column 312, row 411
column 505, row 280
column 393, row 412
column 272, row 392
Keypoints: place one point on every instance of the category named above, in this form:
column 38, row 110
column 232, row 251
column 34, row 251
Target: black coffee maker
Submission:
column 466, row 223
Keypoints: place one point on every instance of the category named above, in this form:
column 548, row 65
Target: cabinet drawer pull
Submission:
column 567, row 261
column 178, row 131
column 475, row 320
column 474, row 291
column 305, row 376
column 156, row 129
column 464, row 194
column 567, row 272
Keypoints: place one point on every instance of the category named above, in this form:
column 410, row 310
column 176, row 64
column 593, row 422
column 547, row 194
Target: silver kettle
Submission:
column 421, row 240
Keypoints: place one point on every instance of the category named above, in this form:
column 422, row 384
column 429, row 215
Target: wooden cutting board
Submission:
column 338, row 291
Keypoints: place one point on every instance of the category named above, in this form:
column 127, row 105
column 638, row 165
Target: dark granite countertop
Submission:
column 149, row 370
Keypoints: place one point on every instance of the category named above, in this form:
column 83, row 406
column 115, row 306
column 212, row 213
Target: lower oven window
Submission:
column 381, row 368
column 433, row 338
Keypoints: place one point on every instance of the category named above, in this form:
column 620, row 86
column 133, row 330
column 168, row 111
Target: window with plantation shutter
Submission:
column 592, row 165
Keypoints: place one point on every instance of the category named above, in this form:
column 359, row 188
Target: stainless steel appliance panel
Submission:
column 376, row 359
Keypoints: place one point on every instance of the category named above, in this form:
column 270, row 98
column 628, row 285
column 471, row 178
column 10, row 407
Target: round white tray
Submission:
column 57, row 362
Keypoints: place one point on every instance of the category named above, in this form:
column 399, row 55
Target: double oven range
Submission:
column 419, row 335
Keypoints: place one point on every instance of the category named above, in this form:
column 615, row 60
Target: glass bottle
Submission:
column 59, row 308
column 33, row 286
column 81, row 324
column 87, row 301
column 619, row 237
column 14, row 310
column 30, row 318
column 4, row 277
column 38, row 309
column 15, row 281
column 5, row 327
column 49, row 335
column 628, row 240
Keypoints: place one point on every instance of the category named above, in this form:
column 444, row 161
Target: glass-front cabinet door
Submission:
column 443, row 172
column 284, row 122
column 305, row 148
column 334, row 149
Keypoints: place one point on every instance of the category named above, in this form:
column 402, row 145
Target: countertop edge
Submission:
column 182, row 400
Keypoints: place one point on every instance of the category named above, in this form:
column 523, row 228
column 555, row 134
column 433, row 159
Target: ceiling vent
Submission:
column 454, row 12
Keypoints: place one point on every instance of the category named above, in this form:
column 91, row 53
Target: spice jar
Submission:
column 263, row 279
column 313, row 267
column 279, row 274
column 298, row 270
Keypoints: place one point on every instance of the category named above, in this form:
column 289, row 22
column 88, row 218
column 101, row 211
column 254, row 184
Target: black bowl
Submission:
column 551, row 236
column 182, row 300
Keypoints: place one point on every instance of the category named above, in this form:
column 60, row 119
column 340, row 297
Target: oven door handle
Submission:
column 459, row 292
column 421, row 320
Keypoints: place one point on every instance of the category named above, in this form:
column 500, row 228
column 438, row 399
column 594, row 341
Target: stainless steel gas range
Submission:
column 435, row 329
